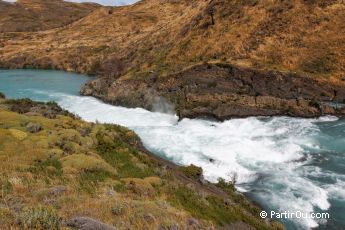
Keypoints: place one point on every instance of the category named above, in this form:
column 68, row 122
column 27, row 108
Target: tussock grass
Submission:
column 103, row 175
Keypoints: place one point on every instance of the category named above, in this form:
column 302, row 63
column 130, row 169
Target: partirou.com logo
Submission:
column 294, row 215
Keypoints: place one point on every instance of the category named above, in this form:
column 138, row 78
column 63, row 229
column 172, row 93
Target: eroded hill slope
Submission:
column 136, row 46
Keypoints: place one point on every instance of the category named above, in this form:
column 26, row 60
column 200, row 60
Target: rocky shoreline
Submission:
column 223, row 91
column 216, row 60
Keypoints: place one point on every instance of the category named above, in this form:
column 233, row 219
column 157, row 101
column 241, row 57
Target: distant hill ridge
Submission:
column 35, row 15
column 140, row 46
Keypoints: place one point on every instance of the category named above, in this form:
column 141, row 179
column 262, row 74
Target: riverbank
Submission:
column 217, row 59
column 106, row 173
column 223, row 91
column 268, row 156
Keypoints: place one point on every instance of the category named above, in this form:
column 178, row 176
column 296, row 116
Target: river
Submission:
column 284, row 164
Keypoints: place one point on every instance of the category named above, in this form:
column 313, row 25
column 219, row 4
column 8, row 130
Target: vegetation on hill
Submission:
column 166, row 36
column 36, row 15
column 58, row 171
column 138, row 47
column 218, row 58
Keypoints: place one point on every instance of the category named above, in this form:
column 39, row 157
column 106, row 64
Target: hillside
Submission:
column 36, row 15
column 218, row 58
column 60, row 172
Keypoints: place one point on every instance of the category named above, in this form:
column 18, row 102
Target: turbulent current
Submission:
column 284, row 164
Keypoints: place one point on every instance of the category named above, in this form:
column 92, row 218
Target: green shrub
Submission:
column 39, row 218
column 89, row 179
column 115, row 146
column 50, row 166
column 52, row 104
column 211, row 208
column 23, row 101
column 228, row 187
column 120, row 187
column 2, row 96
column 215, row 208
column 192, row 171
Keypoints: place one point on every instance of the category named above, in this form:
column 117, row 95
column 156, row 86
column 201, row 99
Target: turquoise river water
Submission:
column 284, row 164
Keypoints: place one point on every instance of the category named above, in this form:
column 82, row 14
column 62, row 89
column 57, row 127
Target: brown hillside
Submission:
column 130, row 47
column 35, row 15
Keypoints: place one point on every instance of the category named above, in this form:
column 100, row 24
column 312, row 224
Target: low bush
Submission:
column 90, row 179
column 211, row 208
column 51, row 167
column 115, row 147
column 6, row 217
column 192, row 171
column 39, row 218
column 228, row 187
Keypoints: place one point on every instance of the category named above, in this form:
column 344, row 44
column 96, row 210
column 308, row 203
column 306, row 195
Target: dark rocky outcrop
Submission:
column 31, row 108
column 225, row 91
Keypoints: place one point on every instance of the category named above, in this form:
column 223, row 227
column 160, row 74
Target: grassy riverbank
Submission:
column 55, row 166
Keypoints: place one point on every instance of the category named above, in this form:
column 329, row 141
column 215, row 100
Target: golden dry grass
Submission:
column 35, row 15
column 167, row 36
column 104, row 176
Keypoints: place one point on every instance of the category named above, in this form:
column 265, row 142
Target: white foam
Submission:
column 251, row 148
column 337, row 190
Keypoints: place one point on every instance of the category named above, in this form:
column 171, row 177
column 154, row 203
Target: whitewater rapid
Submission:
column 284, row 164
column 269, row 151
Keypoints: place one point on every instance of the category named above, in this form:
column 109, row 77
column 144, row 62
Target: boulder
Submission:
column 57, row 190
column 33, row 127
column 87, row 223
column 193, row 224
